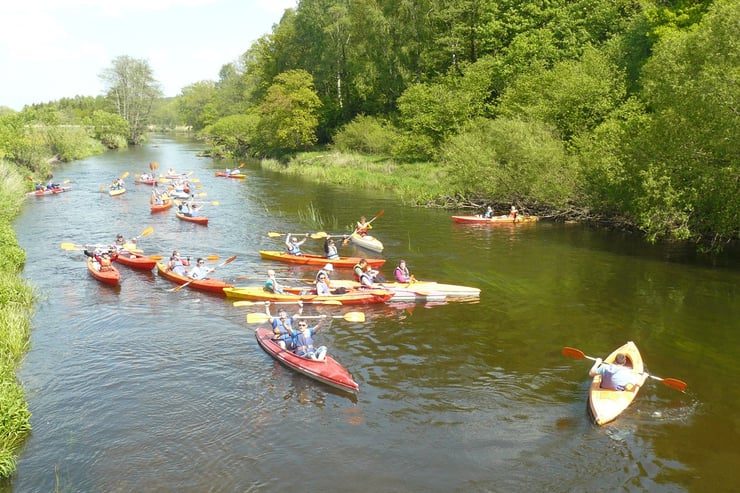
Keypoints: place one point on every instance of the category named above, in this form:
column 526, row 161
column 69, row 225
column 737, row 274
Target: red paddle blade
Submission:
column 572, row 352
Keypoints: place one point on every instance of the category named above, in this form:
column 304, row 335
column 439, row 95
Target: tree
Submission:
column 133, row 89
column 289, row 113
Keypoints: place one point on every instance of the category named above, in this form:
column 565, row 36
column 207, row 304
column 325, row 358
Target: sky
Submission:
column 52, row 49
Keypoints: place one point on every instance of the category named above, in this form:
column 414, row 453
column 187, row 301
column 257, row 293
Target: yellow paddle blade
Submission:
column 124, row 176
column 354, row 317
column 215, row 202
column 203, row 194
column 320, row 235
column 70, row 246
column 213, row 257
column 194, row 180
column 272, row 234
column 257, row 318
column 146, row 232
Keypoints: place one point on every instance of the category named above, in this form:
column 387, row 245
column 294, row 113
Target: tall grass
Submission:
column 16, row 308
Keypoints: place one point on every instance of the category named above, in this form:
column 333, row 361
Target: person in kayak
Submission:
column 293, row 245
column 489, row 212
column 282, row 326
column 271, row 284
column 322, row 284
column 616, row 376
column 402, row 274
column 513, row 212
column 304, row 345
column 200, row 271
column 330, row 248
column 178, row 265
column 363, row 226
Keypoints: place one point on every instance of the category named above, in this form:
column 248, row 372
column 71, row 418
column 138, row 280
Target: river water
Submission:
column 138, row 388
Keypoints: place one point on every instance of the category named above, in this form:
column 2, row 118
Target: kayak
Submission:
column 494, row 219
column 355, row 297
column 166, row 204
column 606, row 404
column 135, row 260
column 328, row 371
column 145, row 181
column 116, row 191
column 239, row 176
column 49, row 191
column 367, row 241
column 197, row 219
column 389, row 294
column 449, row 291
column 210, row 285
column 317, row 260
column 112, row 276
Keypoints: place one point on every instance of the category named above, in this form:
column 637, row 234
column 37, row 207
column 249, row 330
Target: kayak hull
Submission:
column 368, row 242
column 294, row 295
column 449, row 291
column 606, row 405
column 329, row 372
column 209, row 285
column 494, row 220
column 111, row 277
column 114, row 192
column 202, row 220
column 317, row 260
column 136, row 261
column 46, row 191
column 154, row 208
column 238, row 176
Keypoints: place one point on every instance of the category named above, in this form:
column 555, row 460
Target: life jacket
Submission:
column 105, row 263
column 294, row 249
column 358, row 272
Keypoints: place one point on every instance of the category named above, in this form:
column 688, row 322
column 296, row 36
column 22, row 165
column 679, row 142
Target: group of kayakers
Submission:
column 512, row 212
column 300, row 340
column 183, row 267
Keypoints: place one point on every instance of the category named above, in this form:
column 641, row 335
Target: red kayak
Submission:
column 197, row 219
column 329, row 371
column 49, row 191
column 210, row 285
column 166, row 204
column 494, row 219
column 318, row 260
column 111, row 276
column 224, row 174
column 135, row 260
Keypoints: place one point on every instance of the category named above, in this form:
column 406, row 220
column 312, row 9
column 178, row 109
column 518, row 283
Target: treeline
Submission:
column 624, row 110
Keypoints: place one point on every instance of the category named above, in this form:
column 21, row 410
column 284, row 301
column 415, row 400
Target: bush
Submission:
column 366, row 134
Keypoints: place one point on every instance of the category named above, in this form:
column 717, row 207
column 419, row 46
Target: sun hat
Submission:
column 329, row 267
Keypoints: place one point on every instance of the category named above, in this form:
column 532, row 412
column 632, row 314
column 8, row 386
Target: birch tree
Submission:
column 132, row 88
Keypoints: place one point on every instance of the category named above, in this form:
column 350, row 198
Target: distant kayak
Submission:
column 318, row 260
column 193, row 219
column 49, row 191
column 494, row 219
column 367, row 241
column 224, row 174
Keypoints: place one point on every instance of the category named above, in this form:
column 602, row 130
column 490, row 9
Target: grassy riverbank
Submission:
column 16, row 308
column 414, row 184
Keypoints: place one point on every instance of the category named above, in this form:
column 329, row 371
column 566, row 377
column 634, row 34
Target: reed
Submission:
column 16, row 308
column 315, row 220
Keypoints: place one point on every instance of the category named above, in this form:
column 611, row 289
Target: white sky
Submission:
column 50, row 49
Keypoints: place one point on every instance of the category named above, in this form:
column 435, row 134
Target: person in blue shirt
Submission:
column 615, row 376
column 304, row 345
column 282, row 326
column 293, row 245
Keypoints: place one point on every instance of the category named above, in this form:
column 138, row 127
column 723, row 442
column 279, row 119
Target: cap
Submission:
column 119, row 235
column 329, row 267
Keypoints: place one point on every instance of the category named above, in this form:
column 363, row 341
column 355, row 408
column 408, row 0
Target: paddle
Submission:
column 210, row 257
column 379, row 214
column 670, row 382
column 227, row 261
column 315, row 236
column 251, row 303
column 259, row 318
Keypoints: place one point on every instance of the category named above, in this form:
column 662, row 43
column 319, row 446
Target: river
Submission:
column 138, row 388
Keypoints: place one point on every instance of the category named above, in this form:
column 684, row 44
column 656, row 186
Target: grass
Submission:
column 16, row 309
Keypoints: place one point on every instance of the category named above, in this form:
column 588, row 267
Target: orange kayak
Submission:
column 112, row 276
column 197, row 219
column 210, row 285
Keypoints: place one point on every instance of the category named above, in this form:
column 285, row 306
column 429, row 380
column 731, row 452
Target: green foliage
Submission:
column 574, row 96
column 196, row 104
column 366, row 134
column 233, row 135
column 288, row 116
column 110, row 128
column 511, row 161
column 435, row 111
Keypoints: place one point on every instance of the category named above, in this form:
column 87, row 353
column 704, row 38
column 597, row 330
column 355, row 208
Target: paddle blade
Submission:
column 272, row 234
column 69, row 246
column 156, row 257
column 124, row 176
column 247, row 303
column 215, row 202
column 257, row 318
column 146, row 232
column 573, row 353
column 213, row 257
column 319, row 236
column 227, row 261
column 354, row 317
column 671, row 382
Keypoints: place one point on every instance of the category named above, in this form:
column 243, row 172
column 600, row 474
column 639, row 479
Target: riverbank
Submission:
column 16, row 309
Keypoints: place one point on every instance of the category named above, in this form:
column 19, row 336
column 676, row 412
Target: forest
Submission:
column 620, row 112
